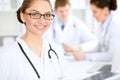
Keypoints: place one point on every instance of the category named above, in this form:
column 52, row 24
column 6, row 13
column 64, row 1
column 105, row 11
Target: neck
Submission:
column 34, row 43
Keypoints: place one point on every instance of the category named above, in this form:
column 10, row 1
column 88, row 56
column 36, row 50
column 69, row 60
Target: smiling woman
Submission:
column 29, row 57
column 30, row 14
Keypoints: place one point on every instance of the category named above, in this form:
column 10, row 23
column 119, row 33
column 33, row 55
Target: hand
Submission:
column 79, row 55
column 76, row 51
column 70, row 48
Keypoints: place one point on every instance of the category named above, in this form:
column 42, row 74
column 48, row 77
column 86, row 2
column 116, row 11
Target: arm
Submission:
column 113, row 39
column 75, row 50
column 87, row 39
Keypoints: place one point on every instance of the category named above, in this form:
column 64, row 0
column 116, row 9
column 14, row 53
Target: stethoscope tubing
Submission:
column 49, row 55
column 29, row 61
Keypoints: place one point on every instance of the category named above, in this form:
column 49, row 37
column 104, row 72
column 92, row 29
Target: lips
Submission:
column 40, row 27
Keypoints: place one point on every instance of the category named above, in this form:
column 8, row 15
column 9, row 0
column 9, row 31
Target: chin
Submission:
column 99, row 20
column 64, row 20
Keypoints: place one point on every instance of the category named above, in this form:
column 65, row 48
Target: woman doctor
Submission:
column 109, row 33
column 31, row 57
column 69, row 31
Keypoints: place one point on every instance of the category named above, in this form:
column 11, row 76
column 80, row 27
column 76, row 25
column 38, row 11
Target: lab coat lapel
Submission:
column 60, row 34
column 58, row 29
column 68, row 25
column 69, row 31
column 107, row 37
column 104, row 36
column 36, row 61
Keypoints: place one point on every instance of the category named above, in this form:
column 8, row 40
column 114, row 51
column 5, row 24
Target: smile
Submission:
column 40, row 27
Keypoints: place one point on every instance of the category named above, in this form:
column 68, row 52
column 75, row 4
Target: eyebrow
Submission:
column 39, row 12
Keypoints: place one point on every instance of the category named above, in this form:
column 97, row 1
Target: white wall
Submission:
column 9, row 26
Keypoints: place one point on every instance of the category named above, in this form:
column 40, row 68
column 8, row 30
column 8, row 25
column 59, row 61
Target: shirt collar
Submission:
column 26, row 48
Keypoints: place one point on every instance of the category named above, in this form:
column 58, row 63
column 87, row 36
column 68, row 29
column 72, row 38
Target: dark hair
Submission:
column 26, row 4
column 111, row 4
column 61, row 3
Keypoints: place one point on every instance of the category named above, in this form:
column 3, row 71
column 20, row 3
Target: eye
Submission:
column 48, row 15
column 35, row 14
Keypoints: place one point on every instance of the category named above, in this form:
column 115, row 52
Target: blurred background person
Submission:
column 70, row 32
column 109, row 32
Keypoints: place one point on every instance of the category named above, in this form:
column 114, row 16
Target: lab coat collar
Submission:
column 28, row 51
column 58, row 21
column 67, row 24
column 107, row 22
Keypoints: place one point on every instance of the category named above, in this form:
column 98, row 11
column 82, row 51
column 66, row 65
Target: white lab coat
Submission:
column 75, row 33
column 108, row 40
column 15, row 66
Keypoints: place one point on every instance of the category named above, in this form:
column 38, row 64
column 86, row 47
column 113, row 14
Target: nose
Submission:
column 41, row 19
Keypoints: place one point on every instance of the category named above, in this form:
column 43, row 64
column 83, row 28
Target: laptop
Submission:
column 107, row 71
column 116, row 77
column 104, row 73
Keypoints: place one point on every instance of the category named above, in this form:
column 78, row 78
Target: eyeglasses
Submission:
column 47, row 16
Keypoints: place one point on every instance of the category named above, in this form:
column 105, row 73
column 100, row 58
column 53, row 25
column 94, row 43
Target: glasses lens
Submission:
column 49, row 16
column 35, row 15
column 38, row 16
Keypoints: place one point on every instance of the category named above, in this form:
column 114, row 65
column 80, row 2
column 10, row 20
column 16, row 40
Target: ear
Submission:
column 22, row 17
column 106, row 11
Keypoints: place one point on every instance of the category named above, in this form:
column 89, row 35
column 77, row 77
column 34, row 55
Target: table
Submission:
column 79, row 70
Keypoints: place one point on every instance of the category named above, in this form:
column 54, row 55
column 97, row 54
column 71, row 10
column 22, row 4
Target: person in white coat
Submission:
column 31, row 57
column 109, row 32
column 69, row 31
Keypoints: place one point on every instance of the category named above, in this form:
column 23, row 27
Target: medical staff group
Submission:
column 50, row 35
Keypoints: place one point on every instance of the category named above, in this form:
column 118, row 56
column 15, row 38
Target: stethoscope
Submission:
column 50, row 57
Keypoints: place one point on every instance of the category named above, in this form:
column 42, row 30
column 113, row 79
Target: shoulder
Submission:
column 77, row 20
column 9, row 51
column 8, row 59
column 115, row 19
column 115, row 24
column 79, row 23
column 8, row 54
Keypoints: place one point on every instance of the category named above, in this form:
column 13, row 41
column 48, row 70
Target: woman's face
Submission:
column 99, row 14
column 37, row 26
column 63, row 12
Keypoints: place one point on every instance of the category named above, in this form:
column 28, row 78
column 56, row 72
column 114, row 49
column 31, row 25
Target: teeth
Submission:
column 40, row 27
